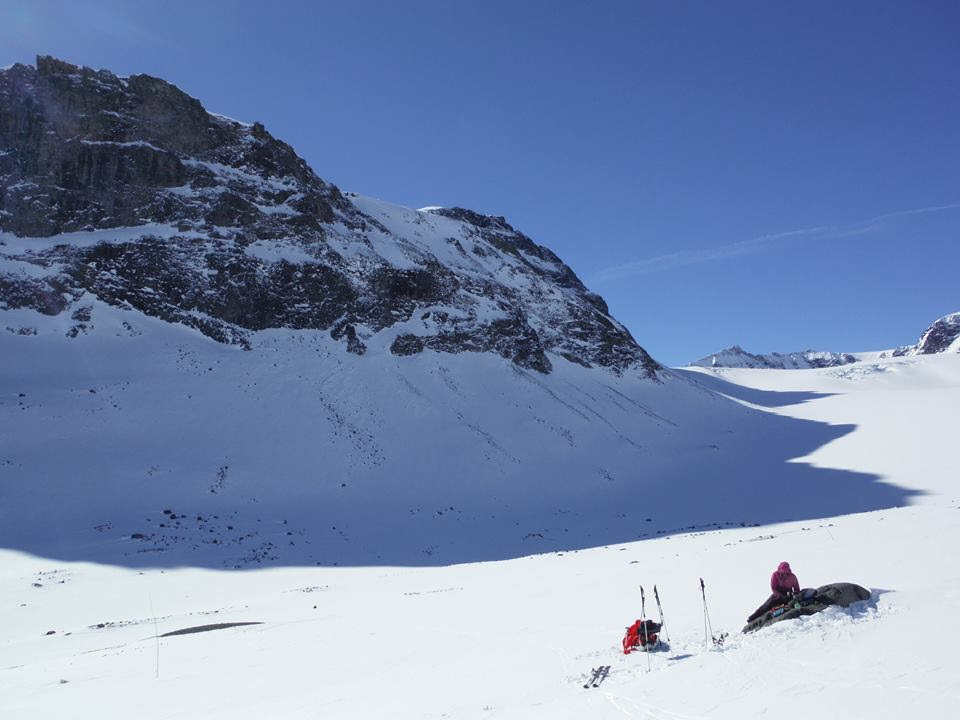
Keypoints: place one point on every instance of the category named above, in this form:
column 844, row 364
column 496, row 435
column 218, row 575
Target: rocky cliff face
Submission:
column 942, row 336
column 127, row 189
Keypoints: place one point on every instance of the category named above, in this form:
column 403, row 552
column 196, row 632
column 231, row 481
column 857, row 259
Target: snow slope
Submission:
column 400, row 463
column 515, row 638
column 904, row 409
column 299, row 452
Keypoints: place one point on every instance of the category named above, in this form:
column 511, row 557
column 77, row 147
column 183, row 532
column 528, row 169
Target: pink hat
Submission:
column 783, row 567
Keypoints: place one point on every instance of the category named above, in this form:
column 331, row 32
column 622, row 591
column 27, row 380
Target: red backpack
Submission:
column 641, row 635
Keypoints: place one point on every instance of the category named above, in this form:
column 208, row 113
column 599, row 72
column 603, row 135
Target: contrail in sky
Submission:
column 671, row 261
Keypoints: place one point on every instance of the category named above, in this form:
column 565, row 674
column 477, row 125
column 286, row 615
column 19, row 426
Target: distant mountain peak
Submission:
column 943, row 336
column 737, row 357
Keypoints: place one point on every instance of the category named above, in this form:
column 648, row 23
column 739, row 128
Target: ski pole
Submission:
column 707, row 627
column 663, row 625
column 643, row 620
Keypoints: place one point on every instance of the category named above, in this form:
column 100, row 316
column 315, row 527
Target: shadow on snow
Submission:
column 754, row 396
column 748, row 477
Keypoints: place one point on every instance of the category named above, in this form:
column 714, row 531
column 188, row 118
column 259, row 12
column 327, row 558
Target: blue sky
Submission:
column 778, row 175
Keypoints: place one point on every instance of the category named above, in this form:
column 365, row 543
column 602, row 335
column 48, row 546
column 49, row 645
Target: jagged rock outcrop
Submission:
column 943, row 336
column 127, row 188
column 83, row 149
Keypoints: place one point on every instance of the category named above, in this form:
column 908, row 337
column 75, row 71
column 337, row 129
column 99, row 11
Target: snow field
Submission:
column 422, row 638
column 299, row 453
column 504, row 639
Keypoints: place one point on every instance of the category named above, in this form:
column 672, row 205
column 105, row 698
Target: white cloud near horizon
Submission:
column 683, row 258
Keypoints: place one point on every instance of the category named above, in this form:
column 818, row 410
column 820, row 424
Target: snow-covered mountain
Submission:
column 418, row 387
column 737, row 357
column 127, row 190
column 943, row 336
column 212, row 360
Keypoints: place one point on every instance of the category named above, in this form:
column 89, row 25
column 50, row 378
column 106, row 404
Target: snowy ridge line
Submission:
column 229, row 119
column 943, row 336
column 737, row 357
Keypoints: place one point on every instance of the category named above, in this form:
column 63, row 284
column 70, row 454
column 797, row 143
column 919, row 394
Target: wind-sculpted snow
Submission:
column 127, row 190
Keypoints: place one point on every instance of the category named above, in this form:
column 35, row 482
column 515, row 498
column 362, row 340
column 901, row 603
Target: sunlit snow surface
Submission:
column 345, row 487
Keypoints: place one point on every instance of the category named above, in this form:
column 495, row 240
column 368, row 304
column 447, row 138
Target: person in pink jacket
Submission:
column 783, row 584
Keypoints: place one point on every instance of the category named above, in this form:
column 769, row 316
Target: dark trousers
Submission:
column 770, row 603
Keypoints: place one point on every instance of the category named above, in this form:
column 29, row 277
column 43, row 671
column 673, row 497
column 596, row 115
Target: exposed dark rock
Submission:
column 217, row 225
column 345, row 330
column 511, row 338
column 407, row 345
column 82, row 314
column 86, row 148
column 45, row 296
column 940, row 336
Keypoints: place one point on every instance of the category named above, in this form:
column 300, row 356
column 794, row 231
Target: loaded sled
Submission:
column 810, row 601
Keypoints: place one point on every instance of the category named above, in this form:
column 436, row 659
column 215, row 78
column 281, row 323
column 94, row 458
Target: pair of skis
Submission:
column 597, row 676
